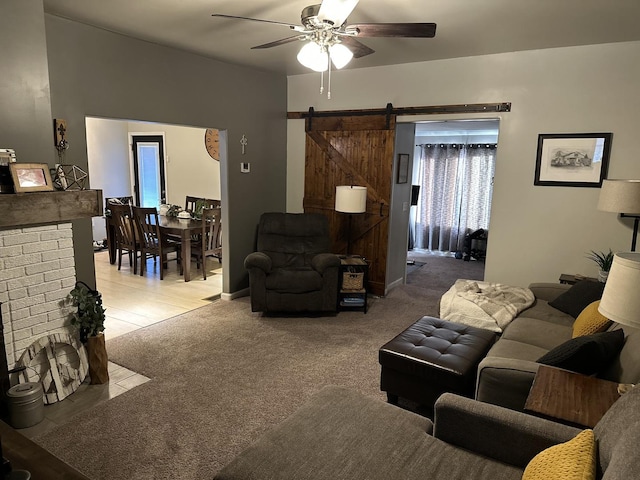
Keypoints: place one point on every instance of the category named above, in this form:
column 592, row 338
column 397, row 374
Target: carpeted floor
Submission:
column 222, row 375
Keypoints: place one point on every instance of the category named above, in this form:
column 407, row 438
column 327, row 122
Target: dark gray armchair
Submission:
column 292, row 270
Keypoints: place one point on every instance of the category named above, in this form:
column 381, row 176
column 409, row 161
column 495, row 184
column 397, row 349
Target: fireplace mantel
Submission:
column 43, row 208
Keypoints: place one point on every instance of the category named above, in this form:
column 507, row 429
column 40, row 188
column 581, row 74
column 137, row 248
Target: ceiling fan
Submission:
column 329, row 40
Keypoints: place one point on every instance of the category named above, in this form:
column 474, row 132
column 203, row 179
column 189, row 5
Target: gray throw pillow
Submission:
column 578, row 297
column 587, row 354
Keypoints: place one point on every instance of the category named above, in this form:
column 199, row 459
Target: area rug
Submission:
column 412, row 267
column 221, row 376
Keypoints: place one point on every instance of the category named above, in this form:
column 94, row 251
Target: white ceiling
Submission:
column 465, row 27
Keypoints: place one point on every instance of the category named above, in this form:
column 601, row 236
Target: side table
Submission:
column 570, row 279
column 352, row 289
column 571, row 397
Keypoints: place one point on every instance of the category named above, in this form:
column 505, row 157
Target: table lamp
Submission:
column 623, row 197
column 620, row 301
column 350, row 199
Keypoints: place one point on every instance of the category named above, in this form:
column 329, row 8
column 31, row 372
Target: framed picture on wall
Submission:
column 403, row 168
column 31, row 177
column 572, row 160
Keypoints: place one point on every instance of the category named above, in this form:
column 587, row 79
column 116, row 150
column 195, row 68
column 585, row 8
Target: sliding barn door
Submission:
column 353, row 150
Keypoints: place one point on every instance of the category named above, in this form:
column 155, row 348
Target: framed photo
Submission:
column 403, row 168
column 572, row 160
column 31, row 177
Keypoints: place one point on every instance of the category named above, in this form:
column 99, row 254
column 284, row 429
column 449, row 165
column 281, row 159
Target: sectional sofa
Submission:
column 506, row 373
column 343, row 435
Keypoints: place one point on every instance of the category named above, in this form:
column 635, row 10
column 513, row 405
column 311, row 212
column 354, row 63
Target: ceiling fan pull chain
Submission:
column 321, row 82
column 329, row 78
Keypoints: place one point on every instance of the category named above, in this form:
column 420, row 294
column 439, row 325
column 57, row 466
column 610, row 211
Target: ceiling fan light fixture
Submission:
column 313, row 56
column 340, row 55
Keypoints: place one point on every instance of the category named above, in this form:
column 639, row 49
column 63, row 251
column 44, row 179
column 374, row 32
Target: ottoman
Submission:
column 431, row 357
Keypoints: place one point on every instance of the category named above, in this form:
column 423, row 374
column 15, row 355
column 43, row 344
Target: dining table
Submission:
column 184, row 228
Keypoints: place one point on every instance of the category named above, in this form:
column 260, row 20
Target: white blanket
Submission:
column 484, row 305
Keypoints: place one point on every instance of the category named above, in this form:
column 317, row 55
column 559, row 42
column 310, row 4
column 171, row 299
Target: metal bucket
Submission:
column 26, row 404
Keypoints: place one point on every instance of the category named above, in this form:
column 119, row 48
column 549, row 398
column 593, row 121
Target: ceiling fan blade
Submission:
column 336, row 11
column 292, row 27
column 412, row 30
column 358, row 49
column 277, row 43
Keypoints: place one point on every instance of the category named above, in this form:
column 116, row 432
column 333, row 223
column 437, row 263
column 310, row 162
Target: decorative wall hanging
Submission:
column 572, row 160
column 59, row 135
column 58, row 361
column 70, row 177
column 403, row 168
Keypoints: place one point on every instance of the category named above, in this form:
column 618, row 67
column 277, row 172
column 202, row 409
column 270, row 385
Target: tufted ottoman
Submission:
column 431, row 357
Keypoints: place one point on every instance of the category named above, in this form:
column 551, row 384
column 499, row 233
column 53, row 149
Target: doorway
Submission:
column 453, row 185
column 133, row 301
column 149, row 182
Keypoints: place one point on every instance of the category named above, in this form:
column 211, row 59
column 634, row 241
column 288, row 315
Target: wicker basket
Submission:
column 353, row 281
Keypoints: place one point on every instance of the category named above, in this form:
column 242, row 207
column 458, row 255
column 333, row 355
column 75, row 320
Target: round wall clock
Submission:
column 212, row 143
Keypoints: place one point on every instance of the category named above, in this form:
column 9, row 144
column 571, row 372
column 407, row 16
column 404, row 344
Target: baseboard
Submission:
column 232, row 296
column 394, row 284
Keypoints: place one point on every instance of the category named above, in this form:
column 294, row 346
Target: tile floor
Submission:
column 86, row 397
column 132, row 302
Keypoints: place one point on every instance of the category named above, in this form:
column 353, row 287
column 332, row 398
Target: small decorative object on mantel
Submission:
column 7, row 156
column 604, row 261
column 89, row 320
column 70, row 177
column 31, row 177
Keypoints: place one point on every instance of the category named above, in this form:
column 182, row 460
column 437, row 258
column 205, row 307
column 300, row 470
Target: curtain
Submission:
column 455, row 197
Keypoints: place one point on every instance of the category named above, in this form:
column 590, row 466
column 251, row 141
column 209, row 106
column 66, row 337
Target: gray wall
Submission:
column 26, row 124
column 97, row 73
column 399, row 209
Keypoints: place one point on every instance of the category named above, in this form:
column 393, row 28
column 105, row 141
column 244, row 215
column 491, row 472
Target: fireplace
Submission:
column 37, row 263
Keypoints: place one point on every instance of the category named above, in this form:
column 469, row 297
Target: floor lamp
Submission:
column 350, row 199
column 623, row 197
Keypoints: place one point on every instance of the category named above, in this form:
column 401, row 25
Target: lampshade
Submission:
column 340, row 55
column 620, row 196
column 620, row 301
column 313, row 56
column 351, row 199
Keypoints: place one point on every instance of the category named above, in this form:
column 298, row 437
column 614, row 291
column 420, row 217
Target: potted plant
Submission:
column 89, row 320
column 604, row 261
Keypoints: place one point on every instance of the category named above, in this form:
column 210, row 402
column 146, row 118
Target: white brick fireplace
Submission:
column 37, row 271
column 37, row 264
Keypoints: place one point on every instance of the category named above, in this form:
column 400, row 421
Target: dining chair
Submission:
column 190, row 203
column 209, row 244
column 152, row 242
column 195, row 204
column 125, row 238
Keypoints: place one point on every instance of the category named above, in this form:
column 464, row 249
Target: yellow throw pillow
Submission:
column 590, row 321
column 572, row 460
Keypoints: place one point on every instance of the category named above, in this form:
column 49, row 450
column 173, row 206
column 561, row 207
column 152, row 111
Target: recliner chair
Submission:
column 292, row 270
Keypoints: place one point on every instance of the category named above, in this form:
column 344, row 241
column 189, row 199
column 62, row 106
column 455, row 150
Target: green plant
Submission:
column 89, row 319
column 604, row 260
column 174, row 210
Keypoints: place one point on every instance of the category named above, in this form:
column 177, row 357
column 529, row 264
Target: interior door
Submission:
column 148, row 167
column 353, row 150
